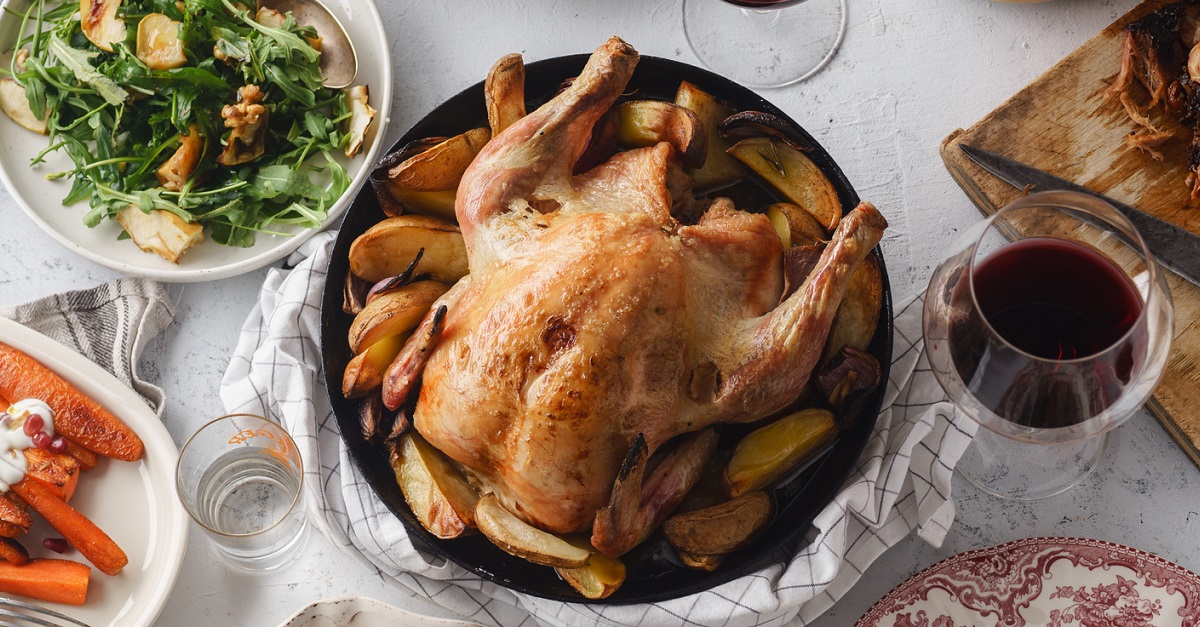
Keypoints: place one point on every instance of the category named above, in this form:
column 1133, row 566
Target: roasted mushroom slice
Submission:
column 160, row 231
column 16, row 106
column 361, row 116
column 174, row 172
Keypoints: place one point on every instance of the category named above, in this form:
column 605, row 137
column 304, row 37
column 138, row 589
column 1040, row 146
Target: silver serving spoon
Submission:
column 339, row 61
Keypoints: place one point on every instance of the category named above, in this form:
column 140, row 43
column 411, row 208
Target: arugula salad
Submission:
column 185, row 115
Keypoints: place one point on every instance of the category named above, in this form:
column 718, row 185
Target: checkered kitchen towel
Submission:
column 110, row 324
column 902, row 481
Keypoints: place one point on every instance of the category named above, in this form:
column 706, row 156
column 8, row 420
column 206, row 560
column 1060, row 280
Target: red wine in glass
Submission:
column 1049, row 342
column 764, row 4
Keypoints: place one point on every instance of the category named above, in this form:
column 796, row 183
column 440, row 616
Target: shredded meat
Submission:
column 1156, row 49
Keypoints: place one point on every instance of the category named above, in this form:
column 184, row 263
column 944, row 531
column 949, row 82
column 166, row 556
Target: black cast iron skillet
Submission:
column 655, row 574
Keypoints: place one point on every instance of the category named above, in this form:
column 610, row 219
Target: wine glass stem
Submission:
column 761, row 17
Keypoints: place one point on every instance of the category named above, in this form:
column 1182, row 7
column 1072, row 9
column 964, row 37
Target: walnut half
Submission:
column 248, row 123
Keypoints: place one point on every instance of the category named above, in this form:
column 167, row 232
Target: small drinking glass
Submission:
column 1049, row 324
column 240, row 478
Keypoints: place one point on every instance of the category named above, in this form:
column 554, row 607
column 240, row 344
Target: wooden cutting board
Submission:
column 1065, row 124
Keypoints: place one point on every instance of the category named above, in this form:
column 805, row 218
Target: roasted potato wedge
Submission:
column 436, row 491
column 364, row 373
column 438, row 204
column 795, row 226
column 16, row 106
column 386, row 249
column 794, row 175
column 504, row 93
column 857, row 316
column 100, row 24
column 394, row 313
column 440, row 167
column 599, row 578
column 719, row 169
column 722, row 528
column 769, row 452
column 648, row 122
column 517, row 537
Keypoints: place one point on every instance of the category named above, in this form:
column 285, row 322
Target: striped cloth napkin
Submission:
column 901, row 484
column 110, row 324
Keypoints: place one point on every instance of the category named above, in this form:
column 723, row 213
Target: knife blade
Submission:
column 1176, row 248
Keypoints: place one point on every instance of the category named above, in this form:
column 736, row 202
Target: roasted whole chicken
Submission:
column 609, row 322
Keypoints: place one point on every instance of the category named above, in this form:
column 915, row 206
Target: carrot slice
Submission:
column 53, row 580
column 87, row 459
column 13, row 552
column 14, row 520
column 76, row 416
column 58, row 472
column 83, row 534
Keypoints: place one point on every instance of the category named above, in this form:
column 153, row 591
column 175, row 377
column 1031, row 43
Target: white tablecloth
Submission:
column 909, row 73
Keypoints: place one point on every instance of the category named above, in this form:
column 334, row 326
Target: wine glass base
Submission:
column 765, row 48
column 1022, row 471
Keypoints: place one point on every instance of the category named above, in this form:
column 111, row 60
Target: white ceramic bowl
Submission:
column 41, row 199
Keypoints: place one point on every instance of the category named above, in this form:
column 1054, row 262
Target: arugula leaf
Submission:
column 119, row 120
column 280, row 180
column 79, row 62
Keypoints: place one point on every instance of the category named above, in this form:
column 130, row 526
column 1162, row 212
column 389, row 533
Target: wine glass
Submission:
column 764, row 43
column 1049, row 324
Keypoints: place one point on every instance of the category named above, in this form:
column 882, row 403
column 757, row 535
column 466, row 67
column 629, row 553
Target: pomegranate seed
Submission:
column 34, row 424
column 58, row 445
column 58, row 545
column 41, row 440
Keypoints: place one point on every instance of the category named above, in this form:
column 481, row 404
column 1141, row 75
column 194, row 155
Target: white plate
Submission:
column 41, row 199
column 133, row 502
column 363, row 612
column 1057, row 582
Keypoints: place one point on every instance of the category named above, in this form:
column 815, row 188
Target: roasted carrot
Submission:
column 76, row 416
column 87, row 459
column 83, row 534
column 14, row 520
column 58, row 472
column 53, row 580
column 13, row 552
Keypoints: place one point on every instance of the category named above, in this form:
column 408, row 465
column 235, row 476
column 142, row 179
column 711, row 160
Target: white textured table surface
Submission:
column 908, row 74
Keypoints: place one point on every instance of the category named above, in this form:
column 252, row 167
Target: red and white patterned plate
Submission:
column 1056, row 582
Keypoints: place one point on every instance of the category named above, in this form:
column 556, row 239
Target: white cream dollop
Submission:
column 13, row 440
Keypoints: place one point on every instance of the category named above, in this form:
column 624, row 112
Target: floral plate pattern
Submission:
column 1056, row 582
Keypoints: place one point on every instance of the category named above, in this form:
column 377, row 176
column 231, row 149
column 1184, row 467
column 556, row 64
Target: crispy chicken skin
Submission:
column 593, row 321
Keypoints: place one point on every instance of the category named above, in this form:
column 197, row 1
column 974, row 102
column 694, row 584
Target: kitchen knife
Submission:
column 1175, row 248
